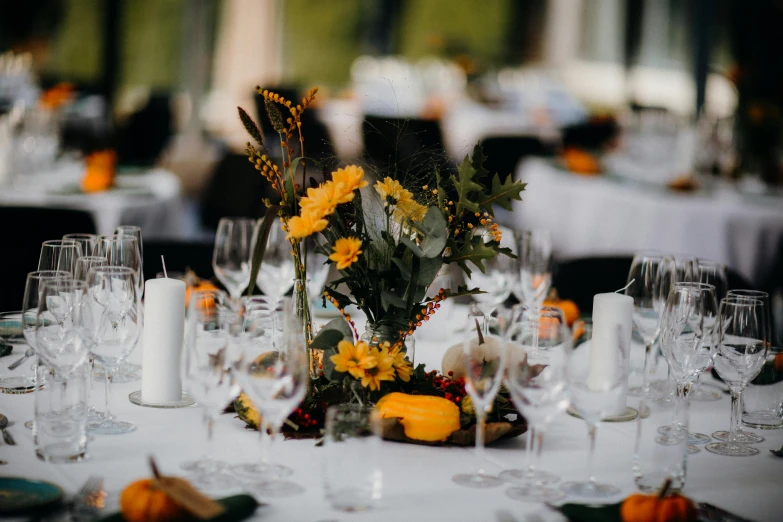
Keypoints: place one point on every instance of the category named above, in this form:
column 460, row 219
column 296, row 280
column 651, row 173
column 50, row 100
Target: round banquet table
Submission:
column 146, row 198
column 416, row 479
column 594, row 216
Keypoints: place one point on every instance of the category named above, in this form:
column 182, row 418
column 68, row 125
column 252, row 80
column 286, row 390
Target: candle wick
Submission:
column 616, row 291
column 164, row 267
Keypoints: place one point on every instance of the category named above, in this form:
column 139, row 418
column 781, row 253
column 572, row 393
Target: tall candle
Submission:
column 164, row 320
column 612, row 323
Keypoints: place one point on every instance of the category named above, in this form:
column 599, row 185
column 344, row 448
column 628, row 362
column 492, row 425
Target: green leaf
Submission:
column 331, row 334
column 328, row 368
column 434, row 234
column 465, row 185
column 475, row 251
column 441, row 190
column 463, row 290
column 389, row 298
column 477, row 160
column 501, row 194
column 260, row 247
column 295, row 162
column 411, row 291
column 430, row 266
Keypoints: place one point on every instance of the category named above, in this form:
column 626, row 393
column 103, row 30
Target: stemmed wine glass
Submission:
column 739, row 357
column 86, row 241
column 595, row 374
column 644, row 279
column 536, row 379
column 85, row 263
column 317, row 270
column 686, row 333
column 206, row 376
column 115, row 327
column 59, row 254
column 496, row 281
column 277, row 273
column 275, row 377
column 715, row 274
column 232, row 254
column 61, row 339
column 534, row 248
column 135, row 232
column 485, row 358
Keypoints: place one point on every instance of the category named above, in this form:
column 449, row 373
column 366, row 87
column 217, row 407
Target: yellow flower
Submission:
column 409, row 210
column 323, row 200
column 346, row 252
column 352, row 177
column 391, row 188
column 383, row 370
column 353, row 359
column 305, row 225
column 403, row 367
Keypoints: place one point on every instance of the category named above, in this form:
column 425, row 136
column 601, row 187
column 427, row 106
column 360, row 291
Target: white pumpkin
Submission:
column 454, row 358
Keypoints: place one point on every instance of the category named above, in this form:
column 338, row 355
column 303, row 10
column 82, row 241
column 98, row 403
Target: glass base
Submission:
column 705, row 393
column 692, row 450
column 17, row 385
column 589, row 490
column 741, row 437
column 523, row 477
column 637, row 391
column 276, row 488
column 534, row 494
column 185, row 401
column 731, row 450
column 762, row 420
column 351, row 500
column 693, row 438
column 204, row 466
column 111, row 428
column 264, row 470
column 215, row 482
column 29, row 424
column 476, row 480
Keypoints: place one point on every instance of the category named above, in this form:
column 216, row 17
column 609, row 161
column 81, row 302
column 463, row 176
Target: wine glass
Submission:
column 275, row 377
column 595, row 375
column 59, row 254
column 317, row 269
column 86, row 241
column 496, row 281
column 739, row 356
column 715, row 274
column 61, row 339
column 686, row 332
column 277, row 273
column 233, row 254
column 536, row 379
column 742, row 435
column 115, row 328
column 85, row 263
column 134, row 231
column 485, row 358
column 206, row 376
column 644, row 279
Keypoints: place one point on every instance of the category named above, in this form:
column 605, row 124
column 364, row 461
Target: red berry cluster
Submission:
column 453, row 389
column 302, row 419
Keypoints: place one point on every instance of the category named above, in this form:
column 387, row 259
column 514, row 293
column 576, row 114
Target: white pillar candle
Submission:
column 612, row 315
column 164, row 319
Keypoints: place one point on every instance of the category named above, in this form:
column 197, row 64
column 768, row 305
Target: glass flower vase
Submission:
column 304, row 313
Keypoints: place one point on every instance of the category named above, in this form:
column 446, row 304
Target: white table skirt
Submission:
column 416, row 479
column 149, row 199
column 590, row 216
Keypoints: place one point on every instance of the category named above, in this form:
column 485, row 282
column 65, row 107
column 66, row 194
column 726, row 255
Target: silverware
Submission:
column 6, row 435
column 28, row 353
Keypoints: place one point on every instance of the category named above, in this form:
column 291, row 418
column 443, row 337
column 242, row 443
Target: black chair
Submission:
column 593, row 134
column 505, row 152
column 236, row 189
column 26, row 228
column 180, row 256
column 580, row 279
column 142, row 138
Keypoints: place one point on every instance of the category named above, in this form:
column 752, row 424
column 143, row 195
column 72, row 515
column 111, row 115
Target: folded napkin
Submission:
column 238, row 507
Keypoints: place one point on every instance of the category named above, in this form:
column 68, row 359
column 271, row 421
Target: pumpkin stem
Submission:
column 154, row 466
column 552, row 295
column 667, row 484
column 478, row 331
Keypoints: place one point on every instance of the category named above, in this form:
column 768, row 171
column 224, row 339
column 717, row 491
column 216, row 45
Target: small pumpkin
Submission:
column 196, row 284
column 580, row 161
column 569, row 308
column 247, row 411
column 99, row 174
column 144, row 501
column 454, row 358
column 658, row 508
column 423, row 417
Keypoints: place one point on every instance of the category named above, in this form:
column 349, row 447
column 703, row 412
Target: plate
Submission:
column 11, row 329
column 18, row 495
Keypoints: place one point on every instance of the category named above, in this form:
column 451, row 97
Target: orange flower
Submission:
column 352, row 177
column 305, row 225
column 346, row 252
column 391, row 188
column 323, row 200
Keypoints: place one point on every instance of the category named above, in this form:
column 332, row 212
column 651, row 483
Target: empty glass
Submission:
column 484, row 359
column 352, row 444
column 715, row 274
column 739, row 357
column 317, row 270
column 496, row 281
column 86, row 241
column 59, row 254
column 61, row 338
column 233, row 253
column 276, row 275
column 85, row 263
column 595, row 373
column 658, row 457
column 762, row 400
column 134, row 231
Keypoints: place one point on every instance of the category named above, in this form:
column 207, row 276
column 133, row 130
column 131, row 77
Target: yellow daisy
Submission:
column 353, row 359
column 323, row 200
column 403, row 367
column 409, row 210
column 391, row 188
column 346, row 252
column 382, row 371
column 305, row 225
column 352, row 177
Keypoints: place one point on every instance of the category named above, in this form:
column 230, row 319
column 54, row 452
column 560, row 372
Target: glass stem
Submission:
column 592, row 428
column 529, row 450
column 680, row 421
column 648, row 348
column 736, row 414
column 108, row 376
column 267, row 440
column 540, row 432
column 209, row 449
column 535, row 313
column 481, row 416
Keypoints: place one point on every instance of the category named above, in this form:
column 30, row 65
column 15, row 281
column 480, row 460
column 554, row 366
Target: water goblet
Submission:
column 534, row 251
column 277, row 272
column 496, row 281
column 715, row 274
column 232, row 254
column 85, row 263
column 86, row 241
column 60, row 255
column 61, row 331
column 135, row 232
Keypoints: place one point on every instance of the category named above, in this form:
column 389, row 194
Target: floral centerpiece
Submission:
column 389, row 238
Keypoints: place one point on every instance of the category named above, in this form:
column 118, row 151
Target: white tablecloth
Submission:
column 589, row 216
column 149, row 199
column 416, row 479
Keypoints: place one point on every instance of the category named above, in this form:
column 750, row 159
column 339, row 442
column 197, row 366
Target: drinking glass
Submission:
column 715, row 274
column 86, row 241
column 85, row 263
column 496, row 281
column 233, row 254
column 485, row 358
column 738, row 359
column 30, row 304
column 276, row 275
column 59, row 254
column 686, row 332
column 534, row 251
column 317, row 270
column 276, row 380
column 595, row 375
column 658, row 457
column 11, row 334
column 352, row 444
column 536, row 379
column 206, row 376
column 644, row 279
column 134, row 231
column 115, row 327
column 742, row 435
column 61, row 331
column 762, row 400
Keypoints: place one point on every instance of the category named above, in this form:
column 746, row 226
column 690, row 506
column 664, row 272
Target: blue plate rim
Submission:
column 37, row 507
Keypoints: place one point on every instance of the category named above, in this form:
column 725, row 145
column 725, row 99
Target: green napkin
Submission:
column 583, row 513
column 238, row 507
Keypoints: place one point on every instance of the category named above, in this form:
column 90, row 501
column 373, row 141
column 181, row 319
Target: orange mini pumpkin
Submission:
column 653, row 508
column 569, row 308
column 144, row 501
column 581, row 162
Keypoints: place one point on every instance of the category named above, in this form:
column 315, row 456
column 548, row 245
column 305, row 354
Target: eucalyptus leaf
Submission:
column 389, row 298
column 405, row 272
column 332, row 333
